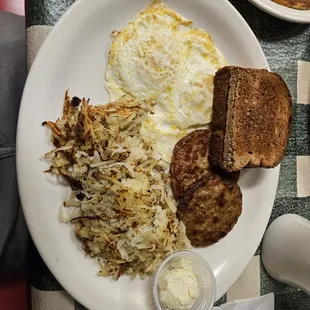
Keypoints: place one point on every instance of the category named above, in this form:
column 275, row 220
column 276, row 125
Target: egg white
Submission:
column 159, row 56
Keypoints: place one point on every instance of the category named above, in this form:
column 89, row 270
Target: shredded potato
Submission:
column 126, row 214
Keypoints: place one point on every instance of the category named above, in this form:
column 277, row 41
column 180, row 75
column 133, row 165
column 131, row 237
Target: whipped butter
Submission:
column 179, row 285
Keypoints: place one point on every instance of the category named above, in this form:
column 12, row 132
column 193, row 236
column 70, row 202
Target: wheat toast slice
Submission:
column 251, row 121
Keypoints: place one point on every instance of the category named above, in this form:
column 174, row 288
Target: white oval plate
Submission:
column 282, row 12
column 74, row 56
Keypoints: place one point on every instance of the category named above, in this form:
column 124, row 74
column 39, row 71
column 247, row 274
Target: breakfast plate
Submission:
column 74, row 56
column 283, row 12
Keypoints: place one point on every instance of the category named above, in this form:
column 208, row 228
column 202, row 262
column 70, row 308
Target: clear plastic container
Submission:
column 205, row 276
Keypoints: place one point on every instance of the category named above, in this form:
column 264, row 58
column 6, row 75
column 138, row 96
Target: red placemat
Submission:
column 15, row 6
column 13, row 293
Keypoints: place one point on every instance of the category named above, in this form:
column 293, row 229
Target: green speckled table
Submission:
column 287, row 48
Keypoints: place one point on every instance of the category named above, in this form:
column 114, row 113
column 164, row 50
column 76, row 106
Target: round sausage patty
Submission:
column 189, row 161
column 210, row 209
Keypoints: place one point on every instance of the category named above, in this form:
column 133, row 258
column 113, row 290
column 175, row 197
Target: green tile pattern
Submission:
column 287, row 297
column 287, row 186
column 303, row 129
column 45, row 12
column 221, row 301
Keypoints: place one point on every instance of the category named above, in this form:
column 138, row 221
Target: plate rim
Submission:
column 281, row 15
column 73, row 291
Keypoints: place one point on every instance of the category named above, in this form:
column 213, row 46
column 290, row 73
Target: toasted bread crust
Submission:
column 189, row 161
column 209, row 209
column 251, row 122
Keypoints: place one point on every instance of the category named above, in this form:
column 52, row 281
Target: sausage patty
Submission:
column 209, row 209
column 189, row 161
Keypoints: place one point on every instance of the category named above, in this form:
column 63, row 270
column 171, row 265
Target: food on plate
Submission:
column 251, row 120
column 211, row 217
column 160, row 56
column 210, row 209
column 128, row 161
column 231, row 176
column 295, row 4
column 121, row 202
column 209, row 205
column 189, row 161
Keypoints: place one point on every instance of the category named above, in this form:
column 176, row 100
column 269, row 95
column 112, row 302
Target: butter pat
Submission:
column 179, row 285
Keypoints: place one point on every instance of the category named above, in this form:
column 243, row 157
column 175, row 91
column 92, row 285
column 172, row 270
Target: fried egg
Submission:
column 161, row 57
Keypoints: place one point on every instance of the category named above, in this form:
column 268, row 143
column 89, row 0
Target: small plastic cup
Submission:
column 206, row 280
